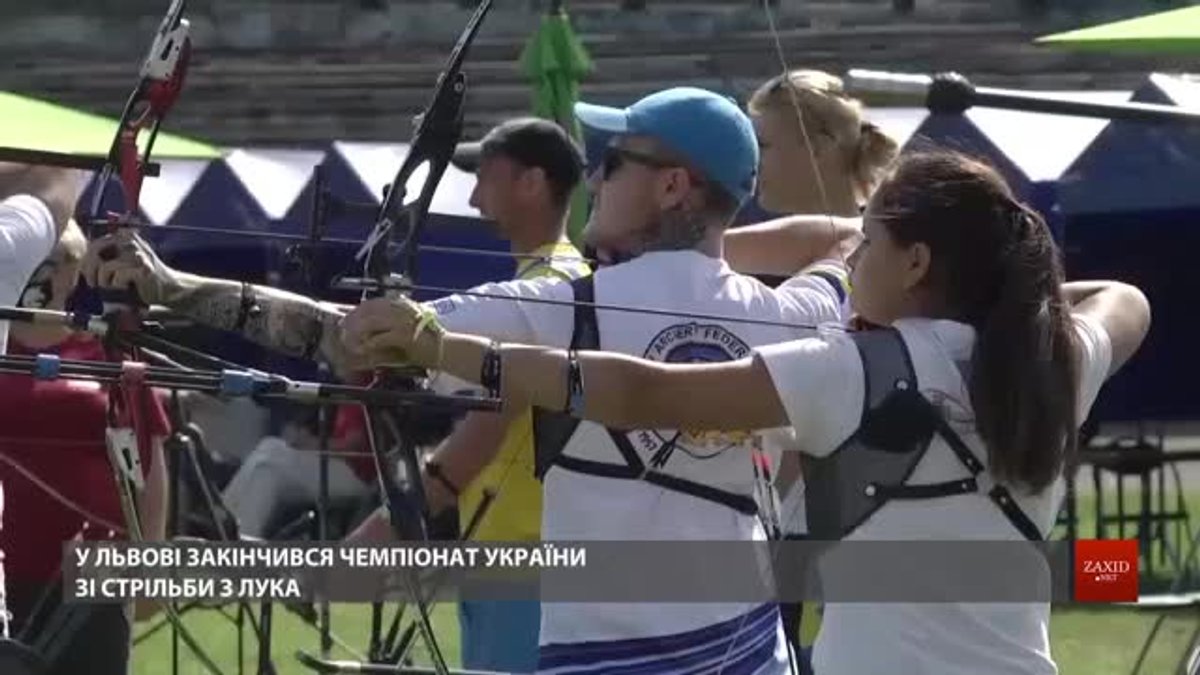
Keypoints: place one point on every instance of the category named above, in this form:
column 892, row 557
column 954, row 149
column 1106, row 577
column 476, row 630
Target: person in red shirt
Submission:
column 54, row 441
column 283, row 471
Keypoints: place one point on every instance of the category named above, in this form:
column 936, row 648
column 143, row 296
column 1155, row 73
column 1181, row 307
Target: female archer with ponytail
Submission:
column 989, row 262
column 965, row 287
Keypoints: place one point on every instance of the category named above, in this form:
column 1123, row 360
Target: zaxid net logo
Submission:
column 1106, row 570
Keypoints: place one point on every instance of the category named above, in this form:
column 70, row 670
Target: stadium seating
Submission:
column 268, row 74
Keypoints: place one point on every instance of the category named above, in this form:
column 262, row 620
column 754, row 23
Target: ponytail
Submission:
column 873, row 154
column 1023, row 375
column 995, row 266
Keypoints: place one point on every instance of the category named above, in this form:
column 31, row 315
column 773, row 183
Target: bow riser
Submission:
column 438, row 134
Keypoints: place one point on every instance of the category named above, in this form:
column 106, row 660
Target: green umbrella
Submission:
column 556, row 61
column 1176, row 31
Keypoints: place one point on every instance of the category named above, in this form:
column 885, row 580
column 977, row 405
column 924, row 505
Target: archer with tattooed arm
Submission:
column 681, row 164
column 288, row 323
column 977, row 332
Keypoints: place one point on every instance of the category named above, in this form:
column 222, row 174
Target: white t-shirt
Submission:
column 897, row 638
column 579, row 506
column 27, row 235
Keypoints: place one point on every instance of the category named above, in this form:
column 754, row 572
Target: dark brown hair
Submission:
column 994, row 265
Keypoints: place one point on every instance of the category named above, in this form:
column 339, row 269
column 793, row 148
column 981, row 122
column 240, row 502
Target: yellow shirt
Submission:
column 516, row 511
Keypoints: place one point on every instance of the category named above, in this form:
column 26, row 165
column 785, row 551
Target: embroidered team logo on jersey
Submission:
column 693, row 343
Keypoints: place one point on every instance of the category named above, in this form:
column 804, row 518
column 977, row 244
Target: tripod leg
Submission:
column 375, row 651
column 323, row 431
column 264, row 642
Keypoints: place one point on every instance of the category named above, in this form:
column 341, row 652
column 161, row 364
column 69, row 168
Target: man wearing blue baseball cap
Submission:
column 678, row 166
column 704, row 155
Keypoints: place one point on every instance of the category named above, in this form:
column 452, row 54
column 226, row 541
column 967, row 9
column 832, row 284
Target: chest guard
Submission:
column 871, row 467
column 552, row 431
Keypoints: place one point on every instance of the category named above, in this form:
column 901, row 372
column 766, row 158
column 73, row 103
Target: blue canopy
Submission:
column 1130, row 203
column 1102, row 186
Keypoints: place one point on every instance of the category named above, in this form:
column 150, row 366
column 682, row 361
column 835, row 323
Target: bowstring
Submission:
column 66, row 501
column 794, row 96
column 632, row 309
column 823, row 193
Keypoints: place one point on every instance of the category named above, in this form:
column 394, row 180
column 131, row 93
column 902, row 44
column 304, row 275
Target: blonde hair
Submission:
column 827, row 109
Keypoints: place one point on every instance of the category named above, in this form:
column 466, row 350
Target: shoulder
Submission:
column 820, row 291
column 24, row 207
column 819, row 381
column 561, row 260
column 27, row 218
column 502, row 292
column 832, row 346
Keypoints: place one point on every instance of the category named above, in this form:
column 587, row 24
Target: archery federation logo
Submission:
column 693, row 343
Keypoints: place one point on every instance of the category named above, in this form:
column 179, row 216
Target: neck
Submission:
column 682, row 230
column 840, row 199
column 535, row 231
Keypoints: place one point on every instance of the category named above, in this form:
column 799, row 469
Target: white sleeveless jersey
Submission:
column 953, row 638
column 582, row 506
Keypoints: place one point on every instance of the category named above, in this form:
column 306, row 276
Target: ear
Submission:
column 671, row 187
column 917, row 260
column 530, row 181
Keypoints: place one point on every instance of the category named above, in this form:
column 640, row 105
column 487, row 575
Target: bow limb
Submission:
column 160, row 79
column 437, row 134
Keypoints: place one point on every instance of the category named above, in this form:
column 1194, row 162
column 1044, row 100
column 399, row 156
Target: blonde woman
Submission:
column 818, row 155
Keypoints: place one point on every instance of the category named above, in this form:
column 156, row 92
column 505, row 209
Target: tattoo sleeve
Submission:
column 285, row 322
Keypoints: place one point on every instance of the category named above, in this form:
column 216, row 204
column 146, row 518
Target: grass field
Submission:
column 1089, row 640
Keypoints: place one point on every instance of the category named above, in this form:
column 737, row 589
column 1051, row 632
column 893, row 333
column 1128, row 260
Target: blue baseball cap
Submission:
column 707, row 129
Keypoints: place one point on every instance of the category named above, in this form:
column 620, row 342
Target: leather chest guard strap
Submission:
column 874, row 464
column 551, row 429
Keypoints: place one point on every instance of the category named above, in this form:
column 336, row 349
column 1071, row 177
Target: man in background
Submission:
column 526, row 170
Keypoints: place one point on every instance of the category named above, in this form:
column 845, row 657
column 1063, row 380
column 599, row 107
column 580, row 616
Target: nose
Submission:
column 473, row 202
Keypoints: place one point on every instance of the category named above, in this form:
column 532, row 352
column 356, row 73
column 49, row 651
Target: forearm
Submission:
column 152, row 501
column 537, row 376
column 786, row 245
column 285, row 322
column 473, row 445
column 58, row 188
column 152, row 510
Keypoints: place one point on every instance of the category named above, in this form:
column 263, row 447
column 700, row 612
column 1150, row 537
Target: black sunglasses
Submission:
column 615, row 158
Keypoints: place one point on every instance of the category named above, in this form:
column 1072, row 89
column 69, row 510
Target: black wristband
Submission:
column 574, row 402
column 490, row 371
column 247, row 308
column 435, row 472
